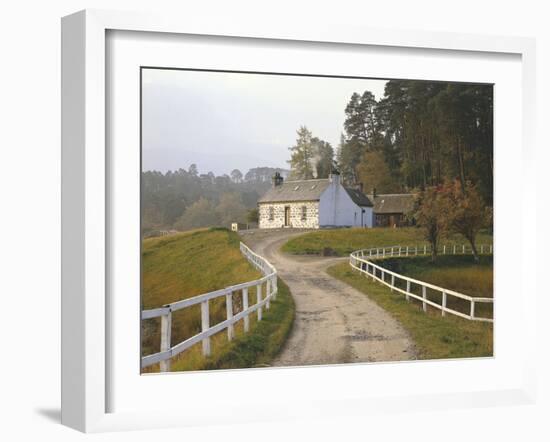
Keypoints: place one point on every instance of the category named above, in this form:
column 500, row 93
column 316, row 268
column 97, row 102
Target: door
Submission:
column 287, row 216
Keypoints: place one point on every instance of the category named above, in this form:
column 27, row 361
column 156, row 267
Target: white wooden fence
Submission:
column 362, row 260
column 165, row 312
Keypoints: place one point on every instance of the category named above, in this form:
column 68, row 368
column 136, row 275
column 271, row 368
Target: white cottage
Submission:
column 310, row 204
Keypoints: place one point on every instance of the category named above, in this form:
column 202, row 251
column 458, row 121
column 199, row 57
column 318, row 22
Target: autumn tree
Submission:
column 373, row 172
column 230, row 209
column 467, row 212
column 431, row 214
column 200, row 214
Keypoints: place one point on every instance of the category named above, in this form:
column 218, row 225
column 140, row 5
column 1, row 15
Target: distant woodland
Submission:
column 186, row 199
column 418, row 135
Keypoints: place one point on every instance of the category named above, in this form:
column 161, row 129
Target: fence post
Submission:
column 229, row 311
column 245, row 307
column 205, row 325
column 384, row 252
column 408, row 290
column 392, row 282
column 482, row 249
column 275, row 288
column 424, row 305
column 443, row 302
column 407, row 251
column 165, row 338
column 463, row 249
column 382, row 275
column 424, row 249
column 259, row 299
column 267, row 293
column 454, row 249
column 399, row 251
column 373, row 273
column 444, row 248
column 472, row 308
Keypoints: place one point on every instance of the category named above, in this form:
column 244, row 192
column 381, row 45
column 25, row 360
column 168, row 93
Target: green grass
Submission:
column 191, row 263
column 436, row 337
column 344, row 241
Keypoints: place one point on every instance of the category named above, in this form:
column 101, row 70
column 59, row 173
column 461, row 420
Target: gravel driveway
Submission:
column 334, row 323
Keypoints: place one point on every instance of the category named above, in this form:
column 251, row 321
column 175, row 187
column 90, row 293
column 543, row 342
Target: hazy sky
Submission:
column 223, row 121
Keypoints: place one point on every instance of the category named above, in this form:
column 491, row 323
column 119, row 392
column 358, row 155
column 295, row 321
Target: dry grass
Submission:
column 344, row 241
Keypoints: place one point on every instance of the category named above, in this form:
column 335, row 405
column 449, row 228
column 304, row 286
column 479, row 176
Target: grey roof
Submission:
column 394, row 203
column 358, row 197
column 303, row 190
column 308, row 190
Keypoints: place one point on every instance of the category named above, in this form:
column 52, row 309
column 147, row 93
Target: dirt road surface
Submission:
column 334, row 323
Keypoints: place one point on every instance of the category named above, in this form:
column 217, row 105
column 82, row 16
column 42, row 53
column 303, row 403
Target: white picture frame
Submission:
column 86, row 207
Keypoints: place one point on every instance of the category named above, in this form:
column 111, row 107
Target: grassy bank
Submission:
column 188, row 264
column 436, row 337
column 342, row 242
column 458, row 273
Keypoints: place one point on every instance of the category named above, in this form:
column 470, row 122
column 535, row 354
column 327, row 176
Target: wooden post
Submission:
column 454, row 249
column 245, row 307
column 481, row 248
column 205, row 325
column 407, row 251
column 444, row 248
column 259, row 299
column 408, row 290
column 463, row 249
column 392, row 282
column 424, row 305
column 165, row 338
column 424, row 249
column 267, row 293
column 229, row 311
column 399, row 251
column 275, row 288
column 472, row 308
column 443, row 302
column 373, row 273
column 382, row 275
column 415, row 250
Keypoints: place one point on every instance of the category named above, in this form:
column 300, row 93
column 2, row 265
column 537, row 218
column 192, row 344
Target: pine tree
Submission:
column 301, row 156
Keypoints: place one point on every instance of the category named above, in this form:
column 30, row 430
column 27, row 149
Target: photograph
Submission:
column 291, row 220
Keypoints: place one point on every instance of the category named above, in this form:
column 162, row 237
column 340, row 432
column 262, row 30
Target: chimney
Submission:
column 277, row 179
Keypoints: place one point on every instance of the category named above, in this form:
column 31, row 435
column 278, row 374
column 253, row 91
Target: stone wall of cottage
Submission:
column 297, row 220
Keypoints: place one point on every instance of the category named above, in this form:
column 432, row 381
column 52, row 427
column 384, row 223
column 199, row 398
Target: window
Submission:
column 304, row 213
column 271, row 213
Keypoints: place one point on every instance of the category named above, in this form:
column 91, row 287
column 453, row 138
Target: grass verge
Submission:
column 436, row 337
column 191, row 263
column 342, row 242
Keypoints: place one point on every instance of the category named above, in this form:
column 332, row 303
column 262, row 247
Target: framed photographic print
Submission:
column 271, row 210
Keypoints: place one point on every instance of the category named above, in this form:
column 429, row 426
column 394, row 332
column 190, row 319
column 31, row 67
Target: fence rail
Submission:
column 165, row 312
column 362, row 260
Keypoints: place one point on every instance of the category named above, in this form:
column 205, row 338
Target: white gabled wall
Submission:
column 336, row 208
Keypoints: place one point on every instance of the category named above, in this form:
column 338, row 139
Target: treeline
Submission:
column 185, row 199
column 419, row 134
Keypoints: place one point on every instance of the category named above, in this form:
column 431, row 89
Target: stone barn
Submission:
column 311, row 204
